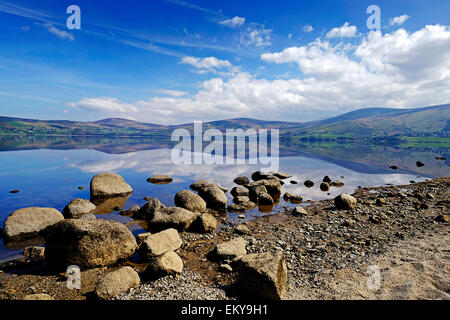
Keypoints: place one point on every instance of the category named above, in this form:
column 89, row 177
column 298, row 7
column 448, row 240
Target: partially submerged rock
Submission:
column 77, row 208
column 130, row 212
column 273, row 186
column 327, row 179
column 117, row 282
column 337, row 184
column 188, row 200
column 345, row 202
column 109, row 185
column 324, row 186
column 263, row 275
column 159, row 243
column 160, row 179
column 239, row 191
column 282, row 175
column 88, row 243
column 172, row 217
column 260, row 175
column 214, row 197
column 235, row 208
column 30, row 222
column 242, row 181
column 265, row 199
column 292, row 198
column 148, row 210
column 309, row 183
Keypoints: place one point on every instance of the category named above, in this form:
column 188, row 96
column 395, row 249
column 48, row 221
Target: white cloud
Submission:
column 346, row 31
column 234, row 22
column 256, row 36
column 60, row 33
column 104, row 104
column 208, row 64
column 173, row 93
column 307, row 28
column 398, row 20
column 398, row 69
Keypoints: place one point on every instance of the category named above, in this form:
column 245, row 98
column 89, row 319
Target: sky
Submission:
column 176, row 61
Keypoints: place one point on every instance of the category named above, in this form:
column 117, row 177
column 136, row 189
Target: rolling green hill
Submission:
column 363, row 123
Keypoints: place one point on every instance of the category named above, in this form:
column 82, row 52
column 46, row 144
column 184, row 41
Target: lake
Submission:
column 48, row 171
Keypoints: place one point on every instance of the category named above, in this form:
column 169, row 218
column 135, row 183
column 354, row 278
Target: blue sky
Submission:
column 174, row 61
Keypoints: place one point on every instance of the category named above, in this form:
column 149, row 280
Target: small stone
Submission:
column 142, row 237
column 226, row 268
column 324, row 186
column 241, row 229
column 117, row 282
column 442, row 218
column 242, row 181
column 345, row 202
column 169, row 263
column 34, row 254
column 231, row 249
column 160, row 179
column 327, row 179
column 299, row 211
column 420, row 164
column 14, row 191
column 308, row 183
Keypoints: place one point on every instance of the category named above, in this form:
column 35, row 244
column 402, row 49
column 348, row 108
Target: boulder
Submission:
column 242, row 181
column 109, row 185
column 130, row 212
column 281, row 175
column 309, row 183
column 188, row 200
column 265, row 199
column 256, row 190
column 241, row 199
column 292, row 198
column 117, row 282
column 337, row 184
column 30, row 222
column 160, row 179
column 34, row 254
column 235, row 208
column 260, row 175
column 168, row 263
column 273, row 186
column 205, row 223
column 214, row 197
column 324, row 186
column 77, row 208
column 231, row 249
column 345, row 202
column 88, row 243
column 263, row 275
column 159, row 243
column 200, row 184
column 172, row 217
column 38, row 296
column 148, row 210
column 239, row 192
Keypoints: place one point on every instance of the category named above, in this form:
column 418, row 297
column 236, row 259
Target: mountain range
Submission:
column 362, row 123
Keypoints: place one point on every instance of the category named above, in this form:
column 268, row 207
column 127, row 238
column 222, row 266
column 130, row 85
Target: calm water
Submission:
column 51, row 177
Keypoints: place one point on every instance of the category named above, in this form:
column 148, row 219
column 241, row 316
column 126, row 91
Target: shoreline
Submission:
column 327, row 252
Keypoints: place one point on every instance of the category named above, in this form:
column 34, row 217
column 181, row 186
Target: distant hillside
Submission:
column 371, row 122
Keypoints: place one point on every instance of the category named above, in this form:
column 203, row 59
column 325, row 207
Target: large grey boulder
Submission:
column 88, row 243
column 159, row 243
column 78, row 208
column 214, row 197
column 29, row 222
column 117, row 282
column 172, row 217
column 188, row 200
column 109, row 185
column 263, row 275
column 231, row 249
column 345, row 202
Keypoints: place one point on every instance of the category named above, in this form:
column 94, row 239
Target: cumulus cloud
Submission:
column 398, row 20
column 397, row 69
column 204, row 65
column 307, row 28
column 59, row 33
column 346, row 31
column 234, row 22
